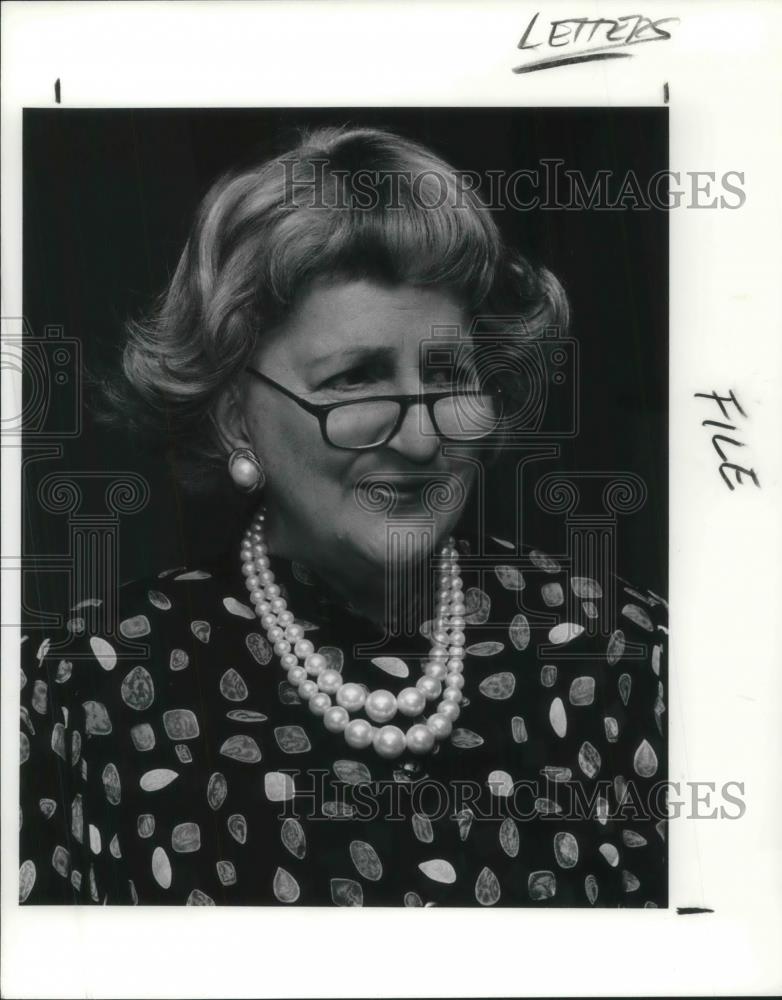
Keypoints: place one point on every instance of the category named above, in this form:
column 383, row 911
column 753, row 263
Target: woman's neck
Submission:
column 393, row 596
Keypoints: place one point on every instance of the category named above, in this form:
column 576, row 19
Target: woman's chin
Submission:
column 399, row 544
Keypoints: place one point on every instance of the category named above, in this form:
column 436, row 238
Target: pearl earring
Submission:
column 246, row 470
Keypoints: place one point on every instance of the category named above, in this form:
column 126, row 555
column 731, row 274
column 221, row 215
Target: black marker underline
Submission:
column 570, row 60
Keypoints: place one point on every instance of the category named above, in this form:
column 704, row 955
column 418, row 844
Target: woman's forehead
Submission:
column 352, row 318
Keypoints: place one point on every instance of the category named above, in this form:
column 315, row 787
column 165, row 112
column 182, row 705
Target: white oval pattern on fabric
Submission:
column 365, row 858
column 500, row 783
column 498, row 687
column 510, row 577
column 103, row 652
column 392, row 665
column 158, row 778
column 293, row 838
column 235, row 607
column 285, row 887
column 487, row 888
column 186, row 838
column 439, row 870
column 564, row 632
column 558, row 718
column 135, row 627
column 161, row 868
column 279, row 787
column 645, row 760
column 242, row 748
column 519, row 632
column 159, row 600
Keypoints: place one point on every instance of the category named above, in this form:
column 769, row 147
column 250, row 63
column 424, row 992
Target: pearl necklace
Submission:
column 317, row 684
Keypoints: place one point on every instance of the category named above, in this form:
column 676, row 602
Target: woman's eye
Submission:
column 440, row 377
column 445, row 379
column 350, row 379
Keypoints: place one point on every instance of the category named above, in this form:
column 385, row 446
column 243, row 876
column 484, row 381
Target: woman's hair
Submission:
column 345, row 203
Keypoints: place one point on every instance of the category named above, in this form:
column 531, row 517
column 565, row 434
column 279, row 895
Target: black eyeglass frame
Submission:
column 322, row 410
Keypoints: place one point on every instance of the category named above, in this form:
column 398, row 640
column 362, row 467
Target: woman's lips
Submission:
column 400, row 490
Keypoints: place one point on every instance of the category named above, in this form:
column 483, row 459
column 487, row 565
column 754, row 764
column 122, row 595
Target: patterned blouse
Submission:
column 187, row 771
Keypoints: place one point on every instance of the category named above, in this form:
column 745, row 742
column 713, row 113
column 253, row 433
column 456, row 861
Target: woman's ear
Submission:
column 228, row 419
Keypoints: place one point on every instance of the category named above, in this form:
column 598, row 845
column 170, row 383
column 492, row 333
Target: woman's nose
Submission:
column 416, row 438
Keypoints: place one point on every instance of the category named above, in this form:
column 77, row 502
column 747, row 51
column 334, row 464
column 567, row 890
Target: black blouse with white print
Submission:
column 196, row 776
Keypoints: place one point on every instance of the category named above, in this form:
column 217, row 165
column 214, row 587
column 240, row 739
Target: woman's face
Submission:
column 344, row 341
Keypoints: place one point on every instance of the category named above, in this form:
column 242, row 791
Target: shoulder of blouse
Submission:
column 617, row 627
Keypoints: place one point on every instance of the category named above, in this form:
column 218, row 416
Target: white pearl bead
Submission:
column 351, row 697
column 450, row 710
column 430, row 687
column 419, row 739
column 296, row 675
column 439, row 725
column 320, row 703
column 390, row 742
column 330, row 681
column 313, row 662
column 380, row 705
column 335, row 719
column 411, row 701
column 359, row 733
column 443, row 667
column 307, row 689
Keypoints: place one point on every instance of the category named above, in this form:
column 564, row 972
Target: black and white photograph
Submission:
column 417, row 668
column 349, row 508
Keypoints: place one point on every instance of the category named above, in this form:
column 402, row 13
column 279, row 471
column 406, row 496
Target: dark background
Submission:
column 108, row 201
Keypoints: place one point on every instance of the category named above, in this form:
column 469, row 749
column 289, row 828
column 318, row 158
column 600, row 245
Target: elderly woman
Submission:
column 354, row 706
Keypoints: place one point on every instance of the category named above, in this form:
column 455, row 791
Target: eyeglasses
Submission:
column 372, row 421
